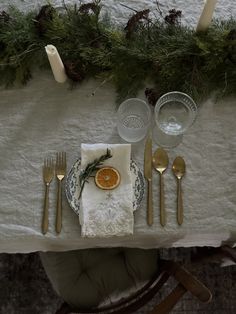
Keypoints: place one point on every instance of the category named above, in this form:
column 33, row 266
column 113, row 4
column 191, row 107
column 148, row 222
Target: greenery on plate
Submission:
column 157, row 52
column 90, row 169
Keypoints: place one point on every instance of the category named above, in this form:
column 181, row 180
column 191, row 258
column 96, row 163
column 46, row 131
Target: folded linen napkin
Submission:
column 106, row 213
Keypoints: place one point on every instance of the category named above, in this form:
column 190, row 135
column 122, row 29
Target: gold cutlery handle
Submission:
column 59, row 208
column 180, row 217
column 162, row 202
column 149, row 204
column 45, row 210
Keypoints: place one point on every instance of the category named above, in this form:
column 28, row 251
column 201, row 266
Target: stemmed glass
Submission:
column 175, row 112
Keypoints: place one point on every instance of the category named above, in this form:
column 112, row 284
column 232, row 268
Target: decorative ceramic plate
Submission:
column 72, row 186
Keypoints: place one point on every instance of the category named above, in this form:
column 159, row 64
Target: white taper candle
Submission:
column 56, row 63
column 206, row 16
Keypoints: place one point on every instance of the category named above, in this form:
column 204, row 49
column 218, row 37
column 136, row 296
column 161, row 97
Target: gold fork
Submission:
column 60, row 174
column 48, row 172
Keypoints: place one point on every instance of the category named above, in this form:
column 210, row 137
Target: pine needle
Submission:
column 91, row 168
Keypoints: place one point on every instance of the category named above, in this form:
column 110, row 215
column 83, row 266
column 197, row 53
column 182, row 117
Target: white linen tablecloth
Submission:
column 45, row 117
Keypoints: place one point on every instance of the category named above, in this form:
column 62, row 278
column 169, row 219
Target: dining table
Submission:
column 45, row 117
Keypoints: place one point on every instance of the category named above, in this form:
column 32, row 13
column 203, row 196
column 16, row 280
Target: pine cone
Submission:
column 43, row 18
column 134, row 20
column 74, row 71
column 87, row 7
column 173, row 18
column 152, row 96
column 4, row 17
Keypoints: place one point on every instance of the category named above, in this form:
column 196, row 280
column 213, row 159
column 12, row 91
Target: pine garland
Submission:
column 161, row 53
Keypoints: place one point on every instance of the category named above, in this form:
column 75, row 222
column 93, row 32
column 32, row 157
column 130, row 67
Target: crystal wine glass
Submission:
column 175, row 112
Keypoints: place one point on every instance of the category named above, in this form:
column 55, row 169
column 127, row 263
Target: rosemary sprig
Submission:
column 90, row 168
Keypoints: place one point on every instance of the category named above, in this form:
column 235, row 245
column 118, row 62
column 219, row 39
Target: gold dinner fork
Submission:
column 48, row 172
column 60, row 174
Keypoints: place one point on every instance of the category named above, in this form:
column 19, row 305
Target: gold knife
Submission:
column 148, row 177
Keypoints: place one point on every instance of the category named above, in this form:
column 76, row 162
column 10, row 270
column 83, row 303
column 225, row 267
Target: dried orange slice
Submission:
column 107, row 178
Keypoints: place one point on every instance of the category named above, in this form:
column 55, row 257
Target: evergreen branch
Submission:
column 91, row 168
column 169, row 55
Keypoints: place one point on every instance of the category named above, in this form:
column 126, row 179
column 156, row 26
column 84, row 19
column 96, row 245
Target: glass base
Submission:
column 164, row 140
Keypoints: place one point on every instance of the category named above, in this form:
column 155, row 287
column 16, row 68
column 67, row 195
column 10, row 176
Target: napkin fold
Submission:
column 106, row 213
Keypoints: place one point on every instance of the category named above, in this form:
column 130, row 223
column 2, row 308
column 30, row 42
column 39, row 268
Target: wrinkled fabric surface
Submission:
column 45, row 117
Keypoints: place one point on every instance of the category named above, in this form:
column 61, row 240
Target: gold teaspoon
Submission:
column 160, row 162
column 179, row 171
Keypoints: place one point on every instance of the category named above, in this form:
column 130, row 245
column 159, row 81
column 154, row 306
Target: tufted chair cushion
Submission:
column 93, row 277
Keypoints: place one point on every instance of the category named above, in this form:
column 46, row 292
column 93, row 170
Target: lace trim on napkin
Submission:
column 109, row 218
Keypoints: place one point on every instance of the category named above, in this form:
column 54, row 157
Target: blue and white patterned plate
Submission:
column 72, row 186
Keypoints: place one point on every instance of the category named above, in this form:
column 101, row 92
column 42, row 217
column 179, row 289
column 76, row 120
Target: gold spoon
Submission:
column 160, row 162
column 179, row 171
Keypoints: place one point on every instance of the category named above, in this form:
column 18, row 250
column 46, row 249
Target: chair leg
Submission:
column 186, row 279
column 187, row 282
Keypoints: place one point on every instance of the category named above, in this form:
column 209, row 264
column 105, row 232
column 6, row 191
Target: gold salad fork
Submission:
column 60, row 174
column 48, row 172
